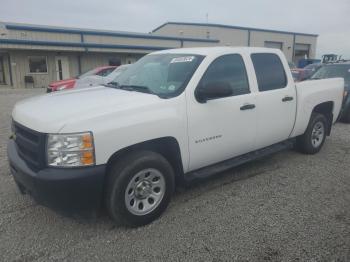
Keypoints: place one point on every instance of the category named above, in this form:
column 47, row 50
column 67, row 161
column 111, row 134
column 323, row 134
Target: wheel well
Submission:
column 326, row 109
column 166, row 146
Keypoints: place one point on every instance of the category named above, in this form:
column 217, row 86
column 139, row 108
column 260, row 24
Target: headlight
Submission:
column 70, row 150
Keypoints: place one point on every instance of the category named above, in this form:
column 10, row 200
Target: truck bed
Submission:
column 313, row 92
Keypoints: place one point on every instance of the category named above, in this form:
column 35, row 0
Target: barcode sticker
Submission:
column 183, row 59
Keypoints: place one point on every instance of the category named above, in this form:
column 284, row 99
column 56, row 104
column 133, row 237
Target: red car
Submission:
column 69, row 83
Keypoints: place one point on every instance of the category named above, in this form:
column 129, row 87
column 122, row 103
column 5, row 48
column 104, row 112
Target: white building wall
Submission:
column 42, row 36
column 227, row 36
column 88, row 61
column 115, row 40
column 312, row 41
column 20, row 68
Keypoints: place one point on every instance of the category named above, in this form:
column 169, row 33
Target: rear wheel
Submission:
column 139, row 188
column 312, row 140
column 345, row 118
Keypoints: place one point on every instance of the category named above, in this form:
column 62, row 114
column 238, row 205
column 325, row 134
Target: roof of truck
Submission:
column 216, row 50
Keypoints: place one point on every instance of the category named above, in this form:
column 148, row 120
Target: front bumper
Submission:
column 69, row 190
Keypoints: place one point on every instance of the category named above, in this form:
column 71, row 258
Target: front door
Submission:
column 2, row 71
column 225, row 127
column 62, row 67
column 276, row 100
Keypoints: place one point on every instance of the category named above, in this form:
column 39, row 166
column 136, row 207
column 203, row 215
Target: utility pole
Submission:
column 207, row 20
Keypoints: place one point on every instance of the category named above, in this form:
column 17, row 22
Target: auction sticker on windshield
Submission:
column 182, row 59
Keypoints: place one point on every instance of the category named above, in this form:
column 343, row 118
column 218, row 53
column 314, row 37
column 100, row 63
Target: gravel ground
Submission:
column 287, row 207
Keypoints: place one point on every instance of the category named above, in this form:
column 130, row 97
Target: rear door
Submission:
column 276, row 99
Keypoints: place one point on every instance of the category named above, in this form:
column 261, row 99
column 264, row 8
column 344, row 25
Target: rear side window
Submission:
column 231, row 70
column 269, row 71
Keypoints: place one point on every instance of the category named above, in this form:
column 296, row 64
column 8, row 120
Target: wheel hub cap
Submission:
column 317, row 135
column 145, row 191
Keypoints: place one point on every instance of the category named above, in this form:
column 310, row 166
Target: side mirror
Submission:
column 212, row 90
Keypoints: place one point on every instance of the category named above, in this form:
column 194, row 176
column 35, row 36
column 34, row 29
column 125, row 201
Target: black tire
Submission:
column 305, row 142
column 345, row 118
column 121, row 174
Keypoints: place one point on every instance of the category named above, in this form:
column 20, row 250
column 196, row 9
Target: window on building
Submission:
column 115, row 61
column 106, row 71
column 271, row 44
column 37, row 64
column 269, row 71
column 231, row 70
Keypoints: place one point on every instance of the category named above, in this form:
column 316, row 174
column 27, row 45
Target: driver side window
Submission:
column 228, row 70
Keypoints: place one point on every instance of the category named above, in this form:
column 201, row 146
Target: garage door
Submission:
column 302, row 47
column 271, row 44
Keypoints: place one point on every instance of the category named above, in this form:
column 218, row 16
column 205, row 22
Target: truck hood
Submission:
column 49, row 113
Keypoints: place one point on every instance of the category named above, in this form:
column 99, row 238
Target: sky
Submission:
column 328, row 18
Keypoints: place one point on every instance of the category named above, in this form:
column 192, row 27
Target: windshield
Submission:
column 118, row 71
column 332, row 71
column 165, row 75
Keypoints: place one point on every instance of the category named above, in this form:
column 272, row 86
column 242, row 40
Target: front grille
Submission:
column 30, row 146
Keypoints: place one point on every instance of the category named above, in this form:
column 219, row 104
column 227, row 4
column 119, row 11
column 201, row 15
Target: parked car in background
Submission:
column 295, row 71
column 69, row 83
column 330, row 58
column 301, row 74
column 309, row 70
column 126, row 144
column 333, row 71
column 95, row 80
column 308, row 61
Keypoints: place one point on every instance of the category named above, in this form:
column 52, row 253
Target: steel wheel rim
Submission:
column 145, row 191
column 317, row 134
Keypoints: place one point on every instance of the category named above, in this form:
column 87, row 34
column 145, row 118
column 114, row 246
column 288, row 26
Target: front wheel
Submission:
column 139, row 188
column 312, row 140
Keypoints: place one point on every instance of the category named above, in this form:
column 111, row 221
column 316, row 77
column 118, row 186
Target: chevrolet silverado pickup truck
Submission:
column 175, row 115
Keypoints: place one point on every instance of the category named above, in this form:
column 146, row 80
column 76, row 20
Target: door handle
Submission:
column 247, row 107
column 287, row 98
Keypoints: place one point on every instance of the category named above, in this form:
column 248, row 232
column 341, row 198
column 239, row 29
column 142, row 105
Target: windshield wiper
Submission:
column 142, row 89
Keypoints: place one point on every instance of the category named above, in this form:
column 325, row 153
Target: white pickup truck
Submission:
column 174, row 115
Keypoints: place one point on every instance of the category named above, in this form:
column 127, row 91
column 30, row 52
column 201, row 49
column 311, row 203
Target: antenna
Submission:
column 207, row 20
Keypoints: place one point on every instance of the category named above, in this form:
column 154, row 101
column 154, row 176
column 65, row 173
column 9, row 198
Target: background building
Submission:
column 46, row 53
column 294, row 45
